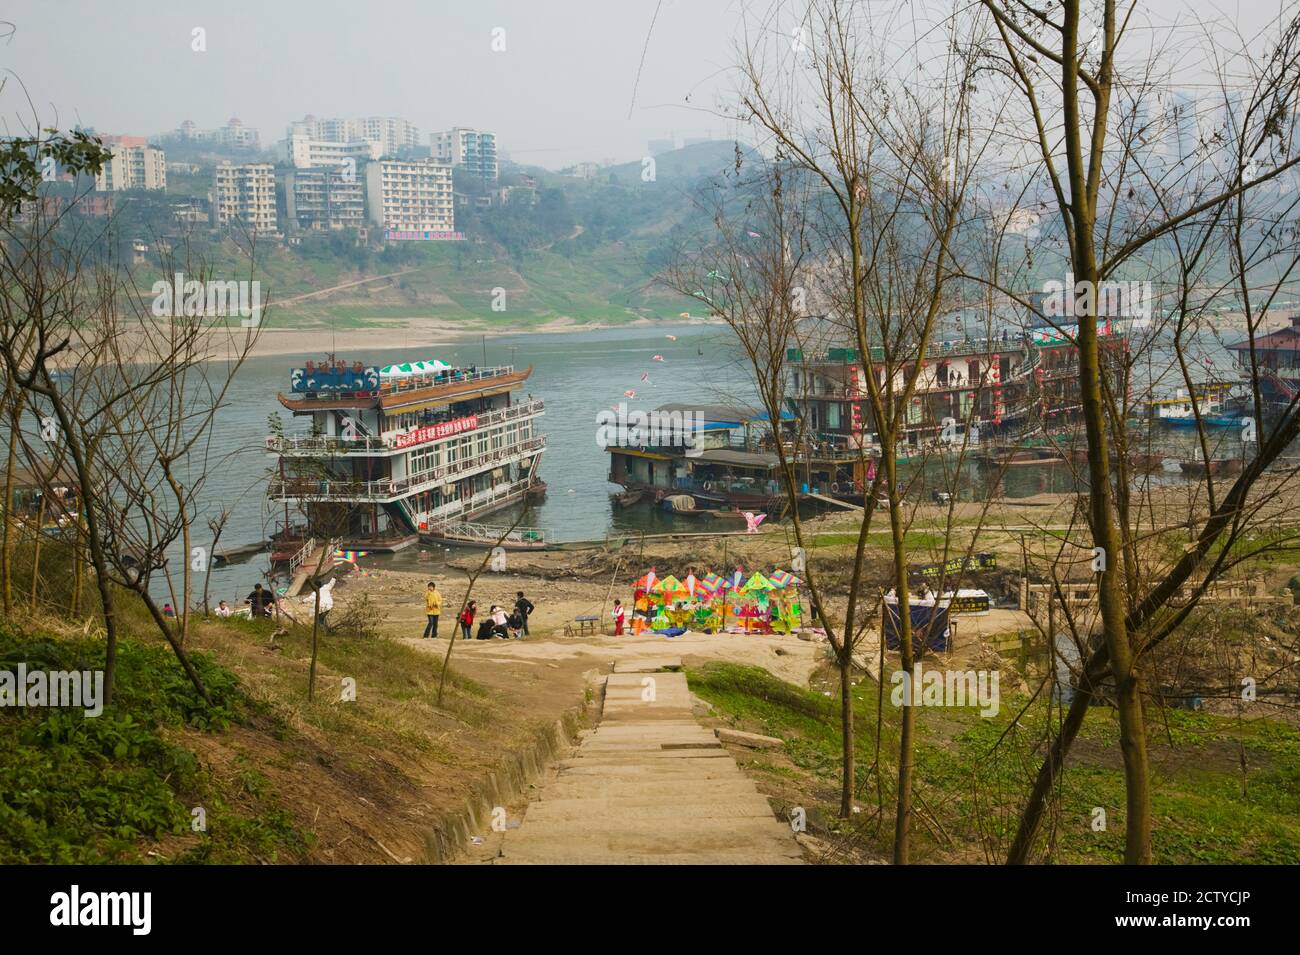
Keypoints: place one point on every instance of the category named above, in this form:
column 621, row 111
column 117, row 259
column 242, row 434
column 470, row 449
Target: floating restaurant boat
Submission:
column 424, row 450
column 1213, row 401
column 717, row 455
column 1007, row 387
column 1275, row 358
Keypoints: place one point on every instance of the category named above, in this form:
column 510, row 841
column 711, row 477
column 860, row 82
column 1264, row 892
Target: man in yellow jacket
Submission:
column 432, row 609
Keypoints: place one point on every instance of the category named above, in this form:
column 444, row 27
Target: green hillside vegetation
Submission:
column 586, row 251
column 1227, row 791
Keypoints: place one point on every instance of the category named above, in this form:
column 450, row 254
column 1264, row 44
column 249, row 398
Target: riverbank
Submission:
column 314, row 341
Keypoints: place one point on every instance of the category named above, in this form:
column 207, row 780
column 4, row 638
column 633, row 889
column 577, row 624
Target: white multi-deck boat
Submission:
column 394, row 457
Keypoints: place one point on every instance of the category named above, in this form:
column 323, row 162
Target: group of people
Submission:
column 497, row 622
column 262, row 602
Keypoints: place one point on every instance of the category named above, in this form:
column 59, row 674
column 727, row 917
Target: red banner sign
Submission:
column 433, row 432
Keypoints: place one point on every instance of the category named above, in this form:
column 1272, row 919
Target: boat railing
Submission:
column 479, row 533
column 377, row 444
column 386, row 489
column 301, row 555
column 454, row 376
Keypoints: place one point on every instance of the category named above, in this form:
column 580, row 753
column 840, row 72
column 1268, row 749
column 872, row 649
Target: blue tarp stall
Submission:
column 929, row 625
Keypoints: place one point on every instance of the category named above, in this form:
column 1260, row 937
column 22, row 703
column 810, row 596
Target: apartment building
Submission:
column 317, row 153
column 234, row 134
column 325, row 199
column 133, row 166
column 245, row 195
column 411, row 197
column 390, row 132
column 471, row 149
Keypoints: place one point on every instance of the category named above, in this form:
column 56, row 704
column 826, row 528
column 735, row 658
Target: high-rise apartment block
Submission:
column 472, row 149
column 133, row 165
column 390, row 132
column 412, row 197
column 314, row 153
column 234, row 134
column 325, row 199
column 245, row 195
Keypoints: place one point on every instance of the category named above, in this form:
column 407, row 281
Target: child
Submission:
column 467, row 619
column 619, row 616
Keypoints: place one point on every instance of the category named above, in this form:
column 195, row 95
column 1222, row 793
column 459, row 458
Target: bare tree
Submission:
column 894, row 166
column 1113, row 206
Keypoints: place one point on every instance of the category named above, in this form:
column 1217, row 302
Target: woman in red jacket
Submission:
column 467, row 619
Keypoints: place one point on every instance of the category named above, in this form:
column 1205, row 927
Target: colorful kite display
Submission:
column 710, row 603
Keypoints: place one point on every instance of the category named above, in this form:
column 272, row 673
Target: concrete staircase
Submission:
column 649, row 785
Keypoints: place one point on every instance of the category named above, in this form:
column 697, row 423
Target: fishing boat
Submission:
column 1140, row 462
column 1019, row 457
column 629, row 498
column 1213, row 402
column 1218, row 467
column 403, row 452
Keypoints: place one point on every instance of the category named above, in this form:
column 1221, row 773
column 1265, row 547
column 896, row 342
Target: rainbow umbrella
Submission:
column 757, row 583
column 784, row 579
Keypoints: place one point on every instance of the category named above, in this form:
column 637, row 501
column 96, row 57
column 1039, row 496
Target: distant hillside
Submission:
column 586, row 250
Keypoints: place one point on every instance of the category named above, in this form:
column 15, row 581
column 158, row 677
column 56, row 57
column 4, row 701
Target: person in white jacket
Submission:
column 322, row 610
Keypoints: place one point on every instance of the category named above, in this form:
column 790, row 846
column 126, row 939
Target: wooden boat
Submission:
column 1019, row 457
column 520, row 539
column 1140, row 462
column 1218, row 467
column 628, row 498
column 238, row 554
column 381, row 545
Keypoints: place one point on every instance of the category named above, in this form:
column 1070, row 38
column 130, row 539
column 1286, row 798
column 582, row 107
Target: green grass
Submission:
column 77, row 789
column 454, row 282
column 972, row 774
column 917, row 542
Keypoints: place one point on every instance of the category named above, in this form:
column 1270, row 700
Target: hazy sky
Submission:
column 560, row 92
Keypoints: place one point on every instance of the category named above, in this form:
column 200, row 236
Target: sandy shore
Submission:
column 429, row 333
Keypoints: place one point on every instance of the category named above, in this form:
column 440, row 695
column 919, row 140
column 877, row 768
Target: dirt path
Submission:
column 334, row 288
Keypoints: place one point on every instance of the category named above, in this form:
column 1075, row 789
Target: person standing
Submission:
column 259, row 600
column 467, row 619
column 620, row 615
column 523, row 606
column 432, row 609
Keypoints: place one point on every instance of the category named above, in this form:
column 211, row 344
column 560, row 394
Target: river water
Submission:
column 578, row 375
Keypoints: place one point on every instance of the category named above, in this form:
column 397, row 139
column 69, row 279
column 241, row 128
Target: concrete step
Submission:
column 741, row 843
column 663, row 769
column 646, row 808
column 549, row 855
column 586, row 787
column 649, row 786
column 648, row 665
